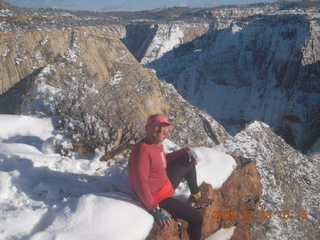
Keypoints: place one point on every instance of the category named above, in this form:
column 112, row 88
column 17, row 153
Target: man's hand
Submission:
column 161, row 216
column 192, row 156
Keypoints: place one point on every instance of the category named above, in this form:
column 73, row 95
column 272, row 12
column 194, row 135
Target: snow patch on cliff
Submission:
column 165, row 40
column 116, row 79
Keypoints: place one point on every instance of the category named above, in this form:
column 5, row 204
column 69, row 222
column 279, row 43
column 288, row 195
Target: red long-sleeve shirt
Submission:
column 147, row 172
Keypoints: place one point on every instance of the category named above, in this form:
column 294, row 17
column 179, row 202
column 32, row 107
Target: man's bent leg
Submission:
column 181, row 210
column 183, row 168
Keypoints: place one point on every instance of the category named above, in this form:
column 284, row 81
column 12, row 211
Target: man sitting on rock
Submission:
column 154, row 175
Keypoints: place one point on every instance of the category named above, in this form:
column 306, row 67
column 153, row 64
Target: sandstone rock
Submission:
column 171, row 233
column 241, row 192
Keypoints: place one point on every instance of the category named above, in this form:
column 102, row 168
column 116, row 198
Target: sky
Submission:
column 126, row 5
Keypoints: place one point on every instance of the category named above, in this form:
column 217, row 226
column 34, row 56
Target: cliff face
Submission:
column 88, row 76
column 151, row 41
column 247, row 68
column 25, row 53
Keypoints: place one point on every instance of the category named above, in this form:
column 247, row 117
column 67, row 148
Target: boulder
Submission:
column 239, row 195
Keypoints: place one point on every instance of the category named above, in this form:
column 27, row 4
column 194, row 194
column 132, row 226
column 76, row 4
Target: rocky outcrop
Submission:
column 290, row 184
column 239, row 195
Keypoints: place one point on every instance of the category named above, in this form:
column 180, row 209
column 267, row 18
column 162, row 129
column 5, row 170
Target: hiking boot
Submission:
column 200, row 202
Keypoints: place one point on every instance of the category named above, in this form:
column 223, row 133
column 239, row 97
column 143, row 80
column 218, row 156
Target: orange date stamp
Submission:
column 259, row 214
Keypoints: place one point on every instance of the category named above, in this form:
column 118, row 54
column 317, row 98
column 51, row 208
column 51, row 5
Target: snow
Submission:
column 6, row 51
column 89, row 217
column 45, row 40
column 116, row 79
column 222, row 234
column 165, row 40
column 74, row 49
column 235, row 28
column 215, row 171
column 45, row 195
column 12, row 126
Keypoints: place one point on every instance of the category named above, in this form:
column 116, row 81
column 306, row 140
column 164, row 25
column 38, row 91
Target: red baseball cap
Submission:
column 158, row 118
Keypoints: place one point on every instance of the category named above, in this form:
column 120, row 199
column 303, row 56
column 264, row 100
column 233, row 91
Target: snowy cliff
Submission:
column 259, row 67
column 98, row 92
column 154, row 40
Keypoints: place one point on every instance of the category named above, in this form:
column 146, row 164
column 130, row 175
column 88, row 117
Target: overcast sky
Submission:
column 125, row 5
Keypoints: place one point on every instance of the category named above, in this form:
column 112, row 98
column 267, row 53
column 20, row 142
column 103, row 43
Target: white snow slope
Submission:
column 44, row 195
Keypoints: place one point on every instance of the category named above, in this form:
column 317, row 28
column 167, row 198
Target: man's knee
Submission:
column 185, row 161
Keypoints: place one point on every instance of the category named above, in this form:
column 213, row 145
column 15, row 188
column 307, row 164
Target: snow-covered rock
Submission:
column 290, row 183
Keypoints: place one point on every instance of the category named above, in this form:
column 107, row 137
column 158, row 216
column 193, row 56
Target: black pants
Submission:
column 176, row 171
